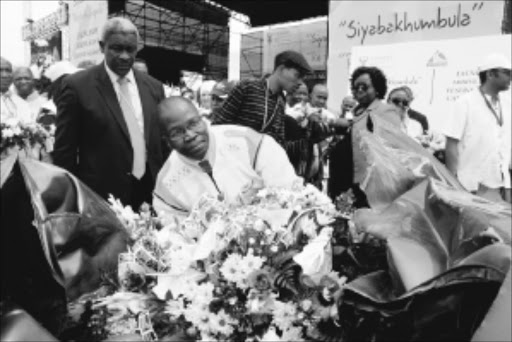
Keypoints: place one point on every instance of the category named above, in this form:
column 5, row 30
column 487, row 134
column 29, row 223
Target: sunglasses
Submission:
column 398, row 102
column 362, row 86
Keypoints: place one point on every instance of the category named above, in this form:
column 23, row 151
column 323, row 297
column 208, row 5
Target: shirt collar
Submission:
column 115, row 77
column 264, row 81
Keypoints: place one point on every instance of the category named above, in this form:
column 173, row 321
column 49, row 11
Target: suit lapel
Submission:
column 145, row 100
column 106, row 89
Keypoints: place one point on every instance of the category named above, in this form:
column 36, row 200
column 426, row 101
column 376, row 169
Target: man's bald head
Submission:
column 184, row 128
column 175, row 108
column 5, row 74
column 23, row 79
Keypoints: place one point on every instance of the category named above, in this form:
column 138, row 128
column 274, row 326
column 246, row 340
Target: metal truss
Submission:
column 173, row 30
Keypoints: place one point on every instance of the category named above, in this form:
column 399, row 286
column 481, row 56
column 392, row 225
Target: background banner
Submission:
column 438, row 72
column 86, row 18
column 363, row 23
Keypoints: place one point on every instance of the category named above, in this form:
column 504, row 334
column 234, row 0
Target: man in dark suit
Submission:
column 107, row 127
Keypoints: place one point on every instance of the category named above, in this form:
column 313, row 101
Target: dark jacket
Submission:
column 92, row 139
column 422, row 119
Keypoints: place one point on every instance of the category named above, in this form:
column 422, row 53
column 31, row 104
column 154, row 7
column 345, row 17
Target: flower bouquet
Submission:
column 31, row 138
column 258, row 272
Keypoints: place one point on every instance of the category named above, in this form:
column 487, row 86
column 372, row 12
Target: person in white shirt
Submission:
column 478, row 132
column 232, row 162
column 12, row 106
column 318, row 103
column 25, row 88
column 399, row 98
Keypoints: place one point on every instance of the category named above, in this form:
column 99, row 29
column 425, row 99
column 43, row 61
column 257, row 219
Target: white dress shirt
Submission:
column 484, row 146
column 14, row 107
column 36, row 102
column 134, row 94
column 411, row 127
column 231, row 153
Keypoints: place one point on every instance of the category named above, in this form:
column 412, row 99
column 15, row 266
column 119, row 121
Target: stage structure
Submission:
column 176, row 36
column 191, row 35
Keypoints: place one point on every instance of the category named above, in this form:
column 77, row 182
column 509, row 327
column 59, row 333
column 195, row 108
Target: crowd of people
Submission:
column 122, row 132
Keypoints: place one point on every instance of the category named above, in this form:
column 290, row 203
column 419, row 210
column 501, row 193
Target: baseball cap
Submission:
column 58, row 69
column 293, row 58
column 222, row 88
column 495, row 61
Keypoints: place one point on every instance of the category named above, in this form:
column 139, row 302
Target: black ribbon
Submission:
column 499, row 118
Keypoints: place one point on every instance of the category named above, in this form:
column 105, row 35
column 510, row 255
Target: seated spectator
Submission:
column 399, row 98
column 231, row 162
column 347, row 106
column 141, row 65
column 24, row 85
column 318, row 103
column 422, row 119
column 220, row 93
column 205, row 97
column 12, row 106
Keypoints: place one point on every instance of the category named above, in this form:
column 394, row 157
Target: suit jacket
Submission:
column 92, row 139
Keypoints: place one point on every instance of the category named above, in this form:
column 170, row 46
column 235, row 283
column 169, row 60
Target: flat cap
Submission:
column 293, row 58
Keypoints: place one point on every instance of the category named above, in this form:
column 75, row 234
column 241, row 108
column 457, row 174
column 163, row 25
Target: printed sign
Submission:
column 86, row 19
column 438, row 72
column 308, row 38
column 363, row 23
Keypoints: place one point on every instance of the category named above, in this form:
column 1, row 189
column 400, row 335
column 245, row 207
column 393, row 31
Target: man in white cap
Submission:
column 478, row 132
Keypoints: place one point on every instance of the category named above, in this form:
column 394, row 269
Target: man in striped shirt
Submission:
column 260, row 103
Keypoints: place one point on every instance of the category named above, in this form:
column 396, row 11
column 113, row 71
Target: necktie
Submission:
column 136, row 136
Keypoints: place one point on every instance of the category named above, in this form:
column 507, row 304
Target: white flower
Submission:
column 306, row 305
column 251, row 263
column 7, row 133
column 270, row 336
column 222, row 323
column 200, row 294
column 284, row 314
column 259, row 225
column 230, row 270
column 292, row 334
column 199, row 316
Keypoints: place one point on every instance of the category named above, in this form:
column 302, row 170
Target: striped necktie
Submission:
column 136, row 136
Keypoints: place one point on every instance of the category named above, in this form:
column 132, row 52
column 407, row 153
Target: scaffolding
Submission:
column 195, row 30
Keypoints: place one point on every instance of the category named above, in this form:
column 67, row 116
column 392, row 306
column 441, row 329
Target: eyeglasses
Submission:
column 362, row 86
column 178, row 133
column 399, row 102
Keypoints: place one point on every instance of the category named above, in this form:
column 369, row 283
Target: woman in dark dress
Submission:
column 369, row 87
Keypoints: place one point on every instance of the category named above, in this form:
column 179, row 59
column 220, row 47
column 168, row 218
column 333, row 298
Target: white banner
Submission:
column 308, row 37
column 356, row 23
column 438, row 72
column 86, row 19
